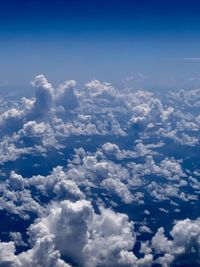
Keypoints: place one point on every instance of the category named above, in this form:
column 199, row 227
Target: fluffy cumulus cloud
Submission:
column 37, row 256
column 95, row 176
column 43, row 96
column 87, row 238
column 73, row 230
column 66, row 96
column 184, row 241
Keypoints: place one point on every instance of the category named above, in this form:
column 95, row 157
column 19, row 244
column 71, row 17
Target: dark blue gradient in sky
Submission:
column 117, row 41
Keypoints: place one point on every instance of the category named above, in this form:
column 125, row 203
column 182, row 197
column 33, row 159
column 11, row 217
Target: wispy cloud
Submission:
column 192, row 58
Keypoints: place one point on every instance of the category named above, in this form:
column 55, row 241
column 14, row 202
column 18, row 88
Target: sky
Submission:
column 94, row 174
column 152, row 44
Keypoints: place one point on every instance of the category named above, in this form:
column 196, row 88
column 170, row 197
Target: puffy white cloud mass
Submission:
column 89, row 239
column 73, row 231
column 185, row 240
column 96, row 176
column 42, row 254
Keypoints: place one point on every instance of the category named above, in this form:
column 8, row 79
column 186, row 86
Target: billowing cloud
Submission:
column 185, row 240
column 85, row 237
column 96, row 176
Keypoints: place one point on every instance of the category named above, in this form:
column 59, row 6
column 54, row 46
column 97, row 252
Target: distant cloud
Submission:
column 107, row 150
column 192, row 58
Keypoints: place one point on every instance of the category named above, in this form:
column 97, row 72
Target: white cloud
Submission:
column 66, row 95
column 192, row 58
column 37, row 256
column 185, row 239
column 126, row 133
column 85, row 237
column 16, row 237
column 43, row 97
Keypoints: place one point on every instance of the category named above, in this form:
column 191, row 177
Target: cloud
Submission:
column 66, row 95
column 96, row 88
column 91, row 152
column 10, row 121
column 192, row 58
column 9, row 151
column 185, row 241
column 37, row 256
column 87, row 238
column 43, row 97
column 16, row 237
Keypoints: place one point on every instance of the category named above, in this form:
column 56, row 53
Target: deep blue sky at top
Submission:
column 138, row 42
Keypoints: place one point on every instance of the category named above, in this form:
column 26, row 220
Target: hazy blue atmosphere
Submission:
column 114, row 41
column 99, row 133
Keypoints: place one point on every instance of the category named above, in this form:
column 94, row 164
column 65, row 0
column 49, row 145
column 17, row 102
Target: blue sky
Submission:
column 119, row 168
column 139, row 43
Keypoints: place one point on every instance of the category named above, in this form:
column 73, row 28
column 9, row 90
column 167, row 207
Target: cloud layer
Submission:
column 98, row 176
